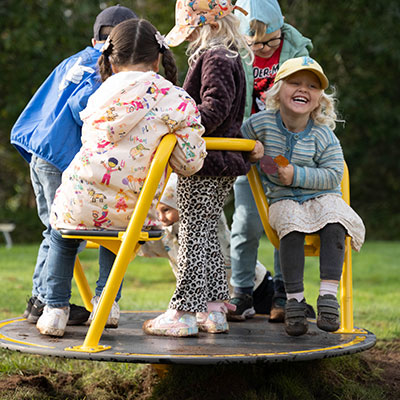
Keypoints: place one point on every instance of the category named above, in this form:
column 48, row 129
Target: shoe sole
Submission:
column 175, row 332
column 326, row 326
column 51, row 331
column 213, row 330
column 249, row 313
column 224, row 328
column 81, row 321
column 296, row 329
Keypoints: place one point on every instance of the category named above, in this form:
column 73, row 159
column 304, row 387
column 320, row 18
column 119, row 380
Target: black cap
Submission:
column 111, row 16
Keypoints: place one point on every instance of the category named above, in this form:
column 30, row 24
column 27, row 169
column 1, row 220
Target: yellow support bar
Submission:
column 130, row 239
column 227, row 144
column 346, row 283
column 312, row 245
column 129, row 245
column 262, row 204
column 346, row 292
column 83, row 285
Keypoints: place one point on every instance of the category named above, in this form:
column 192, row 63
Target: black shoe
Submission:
column 310, row 313
column 29, row 307
column 328, row 313
column 296, row 323
column 244, row 307
column 262, row 296
column 36, row 311
column 78, row 315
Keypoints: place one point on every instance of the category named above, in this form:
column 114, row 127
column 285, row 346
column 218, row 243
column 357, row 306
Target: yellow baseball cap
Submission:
column 293, row 65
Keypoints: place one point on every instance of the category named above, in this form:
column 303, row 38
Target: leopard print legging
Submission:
column 201, row 268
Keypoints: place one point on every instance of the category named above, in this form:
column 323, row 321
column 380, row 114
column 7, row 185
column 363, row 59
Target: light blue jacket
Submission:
column 315, row 154
column 294, row 45
column 50, row 126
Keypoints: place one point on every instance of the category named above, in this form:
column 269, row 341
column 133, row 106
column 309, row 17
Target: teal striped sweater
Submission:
column 315, row 154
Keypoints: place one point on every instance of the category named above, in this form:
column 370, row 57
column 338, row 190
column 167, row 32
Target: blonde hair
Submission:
column 324, row 114
column 226, row 35
column 259, row 29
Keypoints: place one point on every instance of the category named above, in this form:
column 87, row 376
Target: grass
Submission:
column 148, row 285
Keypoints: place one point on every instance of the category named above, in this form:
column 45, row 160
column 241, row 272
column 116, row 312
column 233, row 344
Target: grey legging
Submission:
column 331, row 257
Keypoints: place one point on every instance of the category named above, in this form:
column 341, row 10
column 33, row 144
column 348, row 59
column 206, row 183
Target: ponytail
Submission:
column 169, row 65
column 104, row 67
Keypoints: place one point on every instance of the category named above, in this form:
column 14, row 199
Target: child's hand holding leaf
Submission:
column 257, row 152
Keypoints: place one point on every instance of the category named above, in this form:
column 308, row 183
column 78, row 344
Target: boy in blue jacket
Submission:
column 48, row 135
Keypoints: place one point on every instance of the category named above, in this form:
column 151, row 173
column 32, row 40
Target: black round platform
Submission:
column 253, row 341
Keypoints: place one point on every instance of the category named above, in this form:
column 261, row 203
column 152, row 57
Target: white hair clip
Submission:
column 106, row 44
column 161, row 41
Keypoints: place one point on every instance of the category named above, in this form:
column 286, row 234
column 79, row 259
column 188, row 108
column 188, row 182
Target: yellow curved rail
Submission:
column 130, row 240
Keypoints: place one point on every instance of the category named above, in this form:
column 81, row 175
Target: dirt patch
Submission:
column 385, row 360
column 13, row 382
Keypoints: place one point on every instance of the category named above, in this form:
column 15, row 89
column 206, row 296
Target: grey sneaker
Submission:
column 36, row 311
column 296, row 323
column 29, row 305
column 244, row 307
column 328, row 313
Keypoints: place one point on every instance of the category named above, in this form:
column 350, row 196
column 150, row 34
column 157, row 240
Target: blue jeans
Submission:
column 57, row 253
column 246, row 232
column 60, row 269
column 106, row 261
column 45, row 180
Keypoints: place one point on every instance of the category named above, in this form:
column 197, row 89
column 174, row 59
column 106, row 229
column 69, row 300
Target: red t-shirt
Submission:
column 264, row 71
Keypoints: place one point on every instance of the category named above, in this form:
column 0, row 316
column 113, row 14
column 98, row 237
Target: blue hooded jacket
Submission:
column 49, row 126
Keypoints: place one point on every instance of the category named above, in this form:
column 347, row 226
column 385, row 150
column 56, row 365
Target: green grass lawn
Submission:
column 149, row 284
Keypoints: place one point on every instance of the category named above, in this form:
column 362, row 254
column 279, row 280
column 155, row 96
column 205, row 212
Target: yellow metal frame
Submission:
column 126, row 245
column 312, row 245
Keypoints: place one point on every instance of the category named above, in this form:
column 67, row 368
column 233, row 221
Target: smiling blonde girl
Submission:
column 304, row 196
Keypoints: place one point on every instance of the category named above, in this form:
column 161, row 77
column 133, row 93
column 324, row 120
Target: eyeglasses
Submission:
column 271, row 43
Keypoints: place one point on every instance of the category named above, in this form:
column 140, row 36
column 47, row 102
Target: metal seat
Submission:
column 312, row 245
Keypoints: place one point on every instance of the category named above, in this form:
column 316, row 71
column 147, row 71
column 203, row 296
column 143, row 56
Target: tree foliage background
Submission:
column 356, row 41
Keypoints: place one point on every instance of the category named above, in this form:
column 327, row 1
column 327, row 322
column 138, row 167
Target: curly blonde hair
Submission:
column 324, row 114
column 226, row 35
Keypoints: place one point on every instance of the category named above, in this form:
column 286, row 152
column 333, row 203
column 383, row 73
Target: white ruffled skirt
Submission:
column 286, row 216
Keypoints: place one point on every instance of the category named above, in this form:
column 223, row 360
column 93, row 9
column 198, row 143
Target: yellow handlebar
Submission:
column 227, row 144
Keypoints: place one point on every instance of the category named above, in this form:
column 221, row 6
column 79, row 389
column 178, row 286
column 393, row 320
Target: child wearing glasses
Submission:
column 273, row 42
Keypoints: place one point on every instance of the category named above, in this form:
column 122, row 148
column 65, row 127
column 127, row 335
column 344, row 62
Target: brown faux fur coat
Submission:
column 217, row 84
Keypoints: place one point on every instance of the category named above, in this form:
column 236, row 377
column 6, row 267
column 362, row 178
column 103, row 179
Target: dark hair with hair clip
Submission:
column 134, row 42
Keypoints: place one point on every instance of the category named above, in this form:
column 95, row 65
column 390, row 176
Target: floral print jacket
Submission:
column 123, row 123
